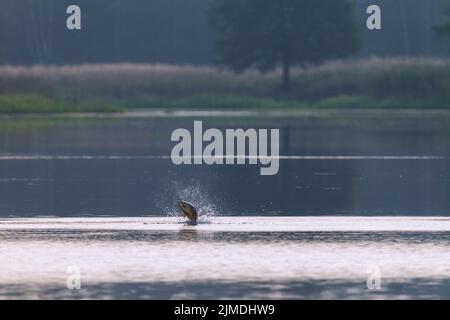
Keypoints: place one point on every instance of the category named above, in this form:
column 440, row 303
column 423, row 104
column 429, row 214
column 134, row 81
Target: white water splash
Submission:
column 193, row 194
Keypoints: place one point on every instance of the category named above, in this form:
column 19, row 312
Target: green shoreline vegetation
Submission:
column 34, row 103
column 393, row 83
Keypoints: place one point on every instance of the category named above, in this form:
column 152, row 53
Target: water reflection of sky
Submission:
column 360, row 163
column 290, row 260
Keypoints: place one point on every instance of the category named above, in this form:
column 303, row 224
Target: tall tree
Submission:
column 405, row 26
column 271, row 33
column 444, row 29
column 42, row 19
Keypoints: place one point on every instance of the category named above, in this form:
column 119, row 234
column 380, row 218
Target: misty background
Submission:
column 179, row 31
column 338, row 108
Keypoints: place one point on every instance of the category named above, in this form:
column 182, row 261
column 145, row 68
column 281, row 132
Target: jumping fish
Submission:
column 188, row 211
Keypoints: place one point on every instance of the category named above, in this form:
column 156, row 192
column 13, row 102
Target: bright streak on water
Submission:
column 165, row 157
column 236, row 224
column 163, row 257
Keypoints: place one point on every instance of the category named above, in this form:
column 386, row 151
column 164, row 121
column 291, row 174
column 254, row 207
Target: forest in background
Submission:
column 179, row 31
column 163, row 54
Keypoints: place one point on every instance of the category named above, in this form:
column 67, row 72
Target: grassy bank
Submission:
column 373, row 83
column 34, row 103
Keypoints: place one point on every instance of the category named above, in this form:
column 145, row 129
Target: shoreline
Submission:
column 231, row 113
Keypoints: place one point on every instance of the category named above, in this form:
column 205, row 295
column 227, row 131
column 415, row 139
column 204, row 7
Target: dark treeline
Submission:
column 166, row 31
column 179, row 31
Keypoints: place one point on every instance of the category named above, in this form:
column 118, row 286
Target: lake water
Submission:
column 358, row 194
column 226, row 257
